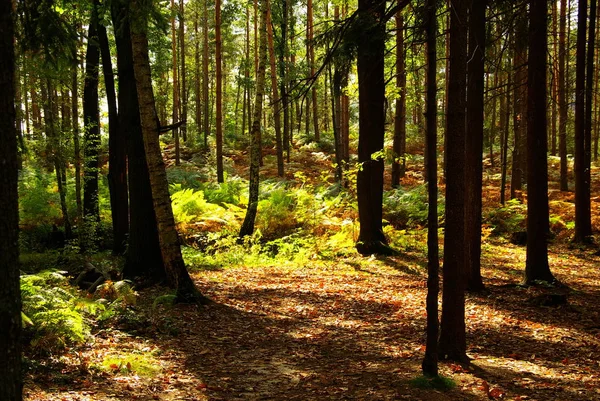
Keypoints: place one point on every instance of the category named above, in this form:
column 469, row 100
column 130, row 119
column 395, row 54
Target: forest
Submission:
column 299, row 199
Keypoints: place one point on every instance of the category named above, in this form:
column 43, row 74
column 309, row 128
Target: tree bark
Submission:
column 430, row 361
column 11, row 380
column 205, row 77
column 143, row 256
column 219, row 92
column 175, row 71
column 562, row 97
column 587, row 140
column 520, row 107
column 583, row 225
column 177, row 274
column 399, row 144
column 538, row 218
column 117, row 155
column 182, row 77
column 371, row 100
column 276, row 100
column 474, row 143
column 311, row 63
column 197, row 90
column 91, row 118
column 248, row 224
column 453, row 344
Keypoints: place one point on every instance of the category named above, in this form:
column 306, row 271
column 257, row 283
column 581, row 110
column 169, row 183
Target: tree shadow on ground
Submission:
column 355, row 350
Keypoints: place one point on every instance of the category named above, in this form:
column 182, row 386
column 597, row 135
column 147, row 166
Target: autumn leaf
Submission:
column 495, row 393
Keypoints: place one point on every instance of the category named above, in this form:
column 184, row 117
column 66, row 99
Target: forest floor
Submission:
column 345, row 329
column 352, row 330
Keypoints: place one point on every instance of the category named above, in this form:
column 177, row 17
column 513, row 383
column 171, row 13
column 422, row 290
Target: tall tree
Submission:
column 176, row 101
column 562, row 96
column 175, row 268
column 250, row 218
column 371, row 103
column 453, row 344
column 11, row 380
column 583, row 225
column 399, row 144
column 219, row 91
column 587, row 138
column 117, row 155
column 205, row 77
column 430, row 361
column 76, row 142
column 197, row 90
column 538, row 217
column 182, row 75
column 474, row 142
column 275, row 99
column 143, row 257
column 91, row 118
column 520, row 100
column 311, row 63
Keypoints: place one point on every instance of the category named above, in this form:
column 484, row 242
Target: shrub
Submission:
column 507, row 219
column 53, row 314
column 405, row 207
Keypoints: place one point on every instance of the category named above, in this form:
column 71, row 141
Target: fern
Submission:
column 50, row 306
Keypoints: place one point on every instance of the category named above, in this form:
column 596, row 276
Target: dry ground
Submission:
column 349, row 330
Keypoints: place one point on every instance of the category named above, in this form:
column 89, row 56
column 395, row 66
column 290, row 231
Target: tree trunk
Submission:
column 11, row 379
column 474, row 143
column 371, row 100
column 283, row 73
column 197, row 91
column 311, row 63
column 219, row 92
column 248, row 224
column 399, row 144
column 275, row 101
column 205, row 77
column 117, row 155
column 176, row 102
column 430, row 361
column 505, row 114
column 91, row 118
column 562, row 97
column 168, row 238
column 55, row 147
column 520, row 107
column 538, row 218
column 554, row 80
column 583, row 226
column 143, row 256
column 182, row 78
column 453, row 338
column 589, row 91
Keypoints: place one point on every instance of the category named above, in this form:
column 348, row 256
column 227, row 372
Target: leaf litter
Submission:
column 332, row 333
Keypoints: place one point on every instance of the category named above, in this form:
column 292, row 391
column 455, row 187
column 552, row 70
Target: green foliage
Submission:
column 180, row 178
column 53, row 312
column 507, row 219
column 433, row 383
column 275, row 215
column 408, row 207
column 188, row 204
column 38, row 197
column 228, row 192
column 141, row 363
